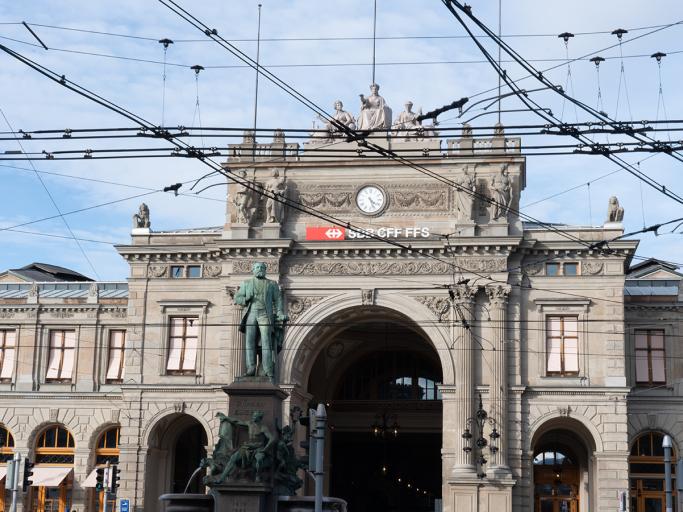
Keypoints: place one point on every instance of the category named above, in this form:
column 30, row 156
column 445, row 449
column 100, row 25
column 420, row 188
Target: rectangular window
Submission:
column 117, row 344
column 571, row 269
column 177, row 271
column 194, row 271
column 650, row 360
column 562, row 345
column 182, row 344
column 60, row 364
column 552, row 269
column 7, row 354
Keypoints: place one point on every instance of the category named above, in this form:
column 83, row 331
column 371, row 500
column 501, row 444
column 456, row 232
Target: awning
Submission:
column 49, row 476
column 91, row 481
column 3, row 472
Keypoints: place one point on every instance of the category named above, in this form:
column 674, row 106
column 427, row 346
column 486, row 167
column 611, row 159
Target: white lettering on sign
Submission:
column 390, row 232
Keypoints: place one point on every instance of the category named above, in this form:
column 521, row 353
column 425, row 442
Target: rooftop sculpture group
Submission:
column 374, row 114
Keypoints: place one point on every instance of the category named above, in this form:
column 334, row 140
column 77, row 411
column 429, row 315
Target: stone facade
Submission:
column 481, row 298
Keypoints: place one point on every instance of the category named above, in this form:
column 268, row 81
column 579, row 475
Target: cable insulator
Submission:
column 658, row 56
column 619, row 32
column 166, row 42
column 597, row 60
column 197, row 68
column 566, row 36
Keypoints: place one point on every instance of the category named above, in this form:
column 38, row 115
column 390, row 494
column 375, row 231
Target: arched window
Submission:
column 646, row 473
column 556, row 480
column 6, row 444
column 108, row 447
column 55, row 446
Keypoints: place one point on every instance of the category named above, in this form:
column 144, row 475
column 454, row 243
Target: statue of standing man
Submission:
column 263, row 320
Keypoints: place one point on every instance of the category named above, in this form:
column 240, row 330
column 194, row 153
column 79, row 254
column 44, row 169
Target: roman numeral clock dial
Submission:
column 370, row 199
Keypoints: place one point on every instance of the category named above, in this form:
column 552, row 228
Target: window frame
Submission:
column 561, row 268
column 648, row 331
column 562, row 337
column 187, row 321
column 60, row 378
column 3, row 355
column 187, row 308
column 110, row 332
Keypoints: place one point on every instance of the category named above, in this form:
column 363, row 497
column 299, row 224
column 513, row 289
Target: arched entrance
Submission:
column 562, row 468
column 378, row 376
column 646, row 473
column 176, row 445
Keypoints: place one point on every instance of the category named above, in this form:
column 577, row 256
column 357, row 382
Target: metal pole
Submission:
column 105, row 482
column 15, row 482
column 374, row 39
column 320, row 422
column 258, row 56
column 667, row 443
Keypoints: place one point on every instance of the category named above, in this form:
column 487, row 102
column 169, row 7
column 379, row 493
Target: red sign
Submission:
column 325, row 233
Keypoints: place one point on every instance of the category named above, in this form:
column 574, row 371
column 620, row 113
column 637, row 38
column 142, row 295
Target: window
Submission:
column 552, row 269
column 650, row 360
column 117, row 344
column 183, row 339
column 562, row 269
column 177, row 272
column 194, row 271
column 7, row 354
column 107, row 450
column 186, row 271
column 6, row 444
column 55, row 446
column 646, row 473
column 62, row 350
column 562, row 345
column 571, row 269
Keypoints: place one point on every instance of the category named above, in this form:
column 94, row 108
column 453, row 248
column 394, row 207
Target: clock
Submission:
column 370, row 199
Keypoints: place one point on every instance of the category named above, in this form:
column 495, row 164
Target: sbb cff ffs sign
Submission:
column 334, row 233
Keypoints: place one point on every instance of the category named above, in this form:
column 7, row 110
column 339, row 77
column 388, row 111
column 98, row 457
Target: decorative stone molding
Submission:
column 157, row 270
column 591, row 268
column 115, row 414
column 62, row 313
column 328, row 200
column 462, row 294
column 54, row 413
column 369, row 268
column 213, row 270
column 440, row 306
column 244, row 266
column 6, row 314
column 367, row 297
column 498, row 294
column 565, row 411
column 437, row 200
column 297, row 305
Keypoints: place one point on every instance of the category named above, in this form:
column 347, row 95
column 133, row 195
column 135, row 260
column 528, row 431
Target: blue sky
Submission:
column 226, row 91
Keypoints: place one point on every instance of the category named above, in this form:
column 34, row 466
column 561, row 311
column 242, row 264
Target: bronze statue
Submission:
column 263, row 320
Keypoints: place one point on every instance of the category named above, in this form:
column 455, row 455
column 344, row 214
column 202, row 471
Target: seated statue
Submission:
column 374, row 113
column 615, row 213
column 141, row 219
column 407, row 124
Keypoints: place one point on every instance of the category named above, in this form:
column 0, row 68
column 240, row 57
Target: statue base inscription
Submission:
column 243, row 497
column 249, row 394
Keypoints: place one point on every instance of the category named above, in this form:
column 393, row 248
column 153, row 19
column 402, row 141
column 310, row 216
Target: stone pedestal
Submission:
column 474, row 495
column 243, row 497
column 464, row 229
column 237, row 232
column 271, row 230
column 249, row 394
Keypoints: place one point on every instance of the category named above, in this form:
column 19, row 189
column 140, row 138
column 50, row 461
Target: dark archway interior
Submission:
column 379, row 380
column 190, row 449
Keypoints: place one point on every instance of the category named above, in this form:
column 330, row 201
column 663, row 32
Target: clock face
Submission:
column 370, row 199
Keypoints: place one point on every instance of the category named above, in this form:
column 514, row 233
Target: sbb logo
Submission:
column 333, row 233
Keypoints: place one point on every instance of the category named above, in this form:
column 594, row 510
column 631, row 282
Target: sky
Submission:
column 324, row 50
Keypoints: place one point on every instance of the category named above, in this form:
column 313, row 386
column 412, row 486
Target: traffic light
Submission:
column 28, row 473
column 114, row 477
column 100, row 479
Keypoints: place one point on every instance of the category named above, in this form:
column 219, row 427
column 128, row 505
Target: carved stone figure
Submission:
column 465, row 196
column 406, row 124
column 253, row 456
column 248, row 137
column 141, row 219
column 279, row 136
column 466, row 131
column 275, row 209
column 243, row 200
column 341, row 117
column 501, row 189
column 615, row 213
column 263, row 321
column 374, row 113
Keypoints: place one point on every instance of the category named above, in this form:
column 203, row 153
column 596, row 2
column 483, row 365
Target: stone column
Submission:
column 463, row 355
column 498, row 385
column 237, row 362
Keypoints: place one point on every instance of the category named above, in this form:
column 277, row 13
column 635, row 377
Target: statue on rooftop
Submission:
column 243, row 199
column 374, row 113
column 467, row 188
column 141, row 219
column 340, row 117
column 615, row 213
column 501, row 189
column 407, row 124
column 275, row 209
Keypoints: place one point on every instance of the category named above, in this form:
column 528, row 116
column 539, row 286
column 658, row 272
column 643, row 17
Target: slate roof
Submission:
column 45, row 272
column 64, row 290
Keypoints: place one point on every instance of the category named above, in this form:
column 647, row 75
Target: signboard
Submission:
column 334, row 233
column 124, row 505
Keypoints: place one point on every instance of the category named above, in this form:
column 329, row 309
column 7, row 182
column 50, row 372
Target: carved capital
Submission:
column 462, row 294
column 498, row 294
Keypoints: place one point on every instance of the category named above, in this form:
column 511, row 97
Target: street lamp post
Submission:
column 475, row 427
column 667, row 444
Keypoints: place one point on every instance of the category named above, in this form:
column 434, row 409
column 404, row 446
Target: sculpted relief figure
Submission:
column 374, row 113
column 275, row 210
column 141, row 219
column 465, row 196
column 243, row 200
column 501, row 190
column 263, row 321
column 615, row 213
